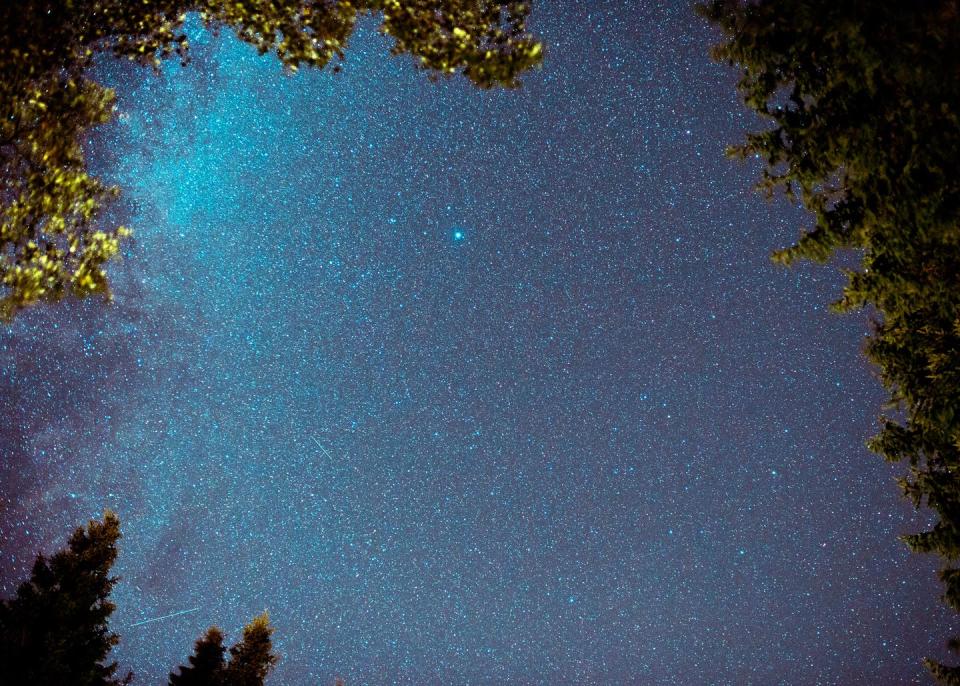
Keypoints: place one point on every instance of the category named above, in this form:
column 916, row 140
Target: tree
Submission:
column 250, row 660
column 863, row 104
column 206, row 663
column 51, row 244
column 54, row 632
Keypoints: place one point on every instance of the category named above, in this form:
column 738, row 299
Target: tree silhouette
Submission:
column 250, row 660
column 206, row 663
column 863, row 105
column 51, row 244
column 54, row 632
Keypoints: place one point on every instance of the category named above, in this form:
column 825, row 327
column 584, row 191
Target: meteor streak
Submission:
column 319, row 445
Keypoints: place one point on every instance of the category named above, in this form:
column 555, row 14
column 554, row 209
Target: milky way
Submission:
column 467, row 387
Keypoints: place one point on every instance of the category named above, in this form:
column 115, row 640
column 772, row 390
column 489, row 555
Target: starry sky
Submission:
column 467, row 387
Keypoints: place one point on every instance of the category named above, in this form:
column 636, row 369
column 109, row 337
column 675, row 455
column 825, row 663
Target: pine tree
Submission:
column 54, row 632
column 206, row 663
column 252, row 658
column 863, row 105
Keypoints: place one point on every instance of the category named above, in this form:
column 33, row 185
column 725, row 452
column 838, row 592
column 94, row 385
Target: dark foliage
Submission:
column 250, row 660
column 54, row 632
column 206, row 663
column 863, row 100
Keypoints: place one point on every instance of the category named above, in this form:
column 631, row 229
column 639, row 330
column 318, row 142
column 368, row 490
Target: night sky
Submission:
column 467, row 387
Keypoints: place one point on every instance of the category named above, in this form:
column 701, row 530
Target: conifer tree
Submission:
column 251, row 658
column 862, row 102
column 54, row 632
column 206, row 663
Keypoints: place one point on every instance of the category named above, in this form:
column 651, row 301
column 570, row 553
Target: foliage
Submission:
column 863, row 101
column 250, row 660
column 51, row 244
column 206, row 663
column 54, row 632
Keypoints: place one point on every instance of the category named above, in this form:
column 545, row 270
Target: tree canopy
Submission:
column 863, row 105
column 51, row 243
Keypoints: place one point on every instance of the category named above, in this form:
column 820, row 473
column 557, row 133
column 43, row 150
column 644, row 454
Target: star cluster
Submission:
column 467, row 387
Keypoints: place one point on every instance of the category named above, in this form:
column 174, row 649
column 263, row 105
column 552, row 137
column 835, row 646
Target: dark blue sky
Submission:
column 467, row 386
